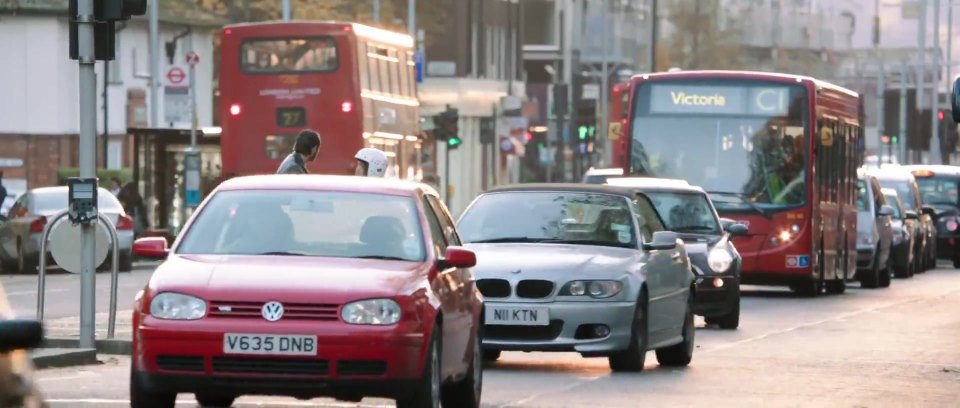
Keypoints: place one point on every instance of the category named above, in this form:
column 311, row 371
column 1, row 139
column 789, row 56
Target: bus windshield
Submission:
column 743, row 138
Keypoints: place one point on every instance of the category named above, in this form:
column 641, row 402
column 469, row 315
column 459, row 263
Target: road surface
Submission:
column 866, row 348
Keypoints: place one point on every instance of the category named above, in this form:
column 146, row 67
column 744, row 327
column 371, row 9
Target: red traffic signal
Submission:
column 940, row 115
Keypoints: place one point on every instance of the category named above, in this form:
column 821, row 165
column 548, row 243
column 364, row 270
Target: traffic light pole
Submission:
column 88, row 166
column 902, row 134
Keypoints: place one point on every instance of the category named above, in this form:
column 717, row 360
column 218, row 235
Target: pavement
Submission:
column 866, row 348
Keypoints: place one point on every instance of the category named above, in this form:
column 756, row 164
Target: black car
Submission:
column 688, row 211
column 939, row 189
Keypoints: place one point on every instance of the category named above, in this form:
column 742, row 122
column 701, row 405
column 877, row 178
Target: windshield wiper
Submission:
column 282, row 253
column 694, row 228
column 384, row 257
column 506, row 239
column 743, row 198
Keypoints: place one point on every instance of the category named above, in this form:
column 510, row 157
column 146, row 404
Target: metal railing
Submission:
column 114, row 272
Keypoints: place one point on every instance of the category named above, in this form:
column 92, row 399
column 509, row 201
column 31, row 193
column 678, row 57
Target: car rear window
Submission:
column 893, row 202
column 904, row 191
column 863, row 203
column 288, row 55
column 308, row 223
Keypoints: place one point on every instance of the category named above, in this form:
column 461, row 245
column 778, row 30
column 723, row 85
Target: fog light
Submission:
column 717, row 282
column 601, row 331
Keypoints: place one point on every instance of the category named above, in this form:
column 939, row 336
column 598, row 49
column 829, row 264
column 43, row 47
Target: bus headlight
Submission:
column 719, row 260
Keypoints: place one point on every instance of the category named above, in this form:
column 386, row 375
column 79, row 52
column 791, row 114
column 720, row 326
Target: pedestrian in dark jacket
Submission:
column 304, row 151
column 134, row 206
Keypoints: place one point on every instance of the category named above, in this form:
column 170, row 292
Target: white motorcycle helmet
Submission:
column 371, row 162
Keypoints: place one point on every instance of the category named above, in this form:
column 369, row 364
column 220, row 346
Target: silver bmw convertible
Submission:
column 584, row 268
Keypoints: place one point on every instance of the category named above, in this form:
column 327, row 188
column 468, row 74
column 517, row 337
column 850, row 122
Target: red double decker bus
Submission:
column 777, row 152
column 619, row 107
column 353, row 84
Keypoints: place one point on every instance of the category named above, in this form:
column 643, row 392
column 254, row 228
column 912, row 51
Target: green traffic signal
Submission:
column 453, row 142
column 583, row 132
column 893, row 139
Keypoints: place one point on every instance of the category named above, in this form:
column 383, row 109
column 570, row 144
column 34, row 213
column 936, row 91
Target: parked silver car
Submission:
column 578, row 267
column 874, row 233
column 20, row 234
column 906, row 228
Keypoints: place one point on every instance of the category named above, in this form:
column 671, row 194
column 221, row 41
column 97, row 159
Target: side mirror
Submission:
column 928, row 210
column 911, row 215
column 955, row 99
column 20, row 335
column 151, row 247
column 885, row 211
column 662, row 240
column 726, row 223
column 458, row 257
column 738, row 230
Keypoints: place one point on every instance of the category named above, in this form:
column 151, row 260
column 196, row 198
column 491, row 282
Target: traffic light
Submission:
column 105, row 14
column 586, row 119
column 447, row 127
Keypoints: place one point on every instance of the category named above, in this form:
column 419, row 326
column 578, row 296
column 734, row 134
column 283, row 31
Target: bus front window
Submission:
column 745, row 139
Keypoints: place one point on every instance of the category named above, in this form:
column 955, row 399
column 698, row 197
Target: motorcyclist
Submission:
column 371, row 162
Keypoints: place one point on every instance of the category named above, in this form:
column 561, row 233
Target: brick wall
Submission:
column 42, row 155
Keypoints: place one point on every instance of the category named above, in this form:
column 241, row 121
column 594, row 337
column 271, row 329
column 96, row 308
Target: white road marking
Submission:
column 34, row 293
column 332, row 404
column 569, row 387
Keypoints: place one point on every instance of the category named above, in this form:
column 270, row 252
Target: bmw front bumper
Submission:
column 571, row 327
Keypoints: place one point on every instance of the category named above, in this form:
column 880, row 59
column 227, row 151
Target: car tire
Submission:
column 885, row 273
column 871, row 279
column 956, row 262
column 680, row 354
column 491, row 356
column 25, row 265
column 808, row 288
column 901, row 269
column 126, row 262
column 633, row 358
column 215, row 401
column 140, row 397
column 731, row 320
column 427, row 393
column 466, row 392
column 836, row 287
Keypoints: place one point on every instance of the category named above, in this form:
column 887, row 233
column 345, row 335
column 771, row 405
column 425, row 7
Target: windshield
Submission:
column 741, row 137
column 863, row 203
column 685, row 212
column 561, row 217
column 311, row 223
column 56, row 200
column 938, row 190
column 288, row 55
column 895, row 204
column 904, row 191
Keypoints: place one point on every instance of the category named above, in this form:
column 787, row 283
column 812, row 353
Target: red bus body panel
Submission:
column 367, row 100
column 826, row 229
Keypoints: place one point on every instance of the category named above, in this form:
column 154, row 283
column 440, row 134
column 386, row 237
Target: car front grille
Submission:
column 367, row 368
column 534, row 289
column 180, row 363
column 494, row 288
column 291, row 311
column 533, row 333
column 272, row 366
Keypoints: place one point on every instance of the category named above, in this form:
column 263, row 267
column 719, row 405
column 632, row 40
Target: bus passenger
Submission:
column 304, row 151
column 371, row 162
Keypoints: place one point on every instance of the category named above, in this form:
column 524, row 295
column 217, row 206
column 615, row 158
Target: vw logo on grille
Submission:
column 272, row 311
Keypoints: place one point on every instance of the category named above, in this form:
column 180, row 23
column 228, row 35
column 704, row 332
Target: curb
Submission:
column 120, row 347
column 56, row 357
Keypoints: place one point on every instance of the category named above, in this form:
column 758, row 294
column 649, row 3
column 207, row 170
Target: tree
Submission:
column 697, row 39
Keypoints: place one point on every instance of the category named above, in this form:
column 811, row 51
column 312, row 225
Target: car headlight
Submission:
column 597, row 289
column 379, row 312
column 719, row 260
column 177, row 306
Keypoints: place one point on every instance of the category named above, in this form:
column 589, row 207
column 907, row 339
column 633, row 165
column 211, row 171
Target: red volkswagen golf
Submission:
column 310, row 286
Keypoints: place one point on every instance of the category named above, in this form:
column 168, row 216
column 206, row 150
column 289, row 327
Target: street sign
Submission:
column 176, row 104
column 193, row 58
column 418, row 59
column 65, row 245
column 176, row 77
column 10, row 162
column 591, row 92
